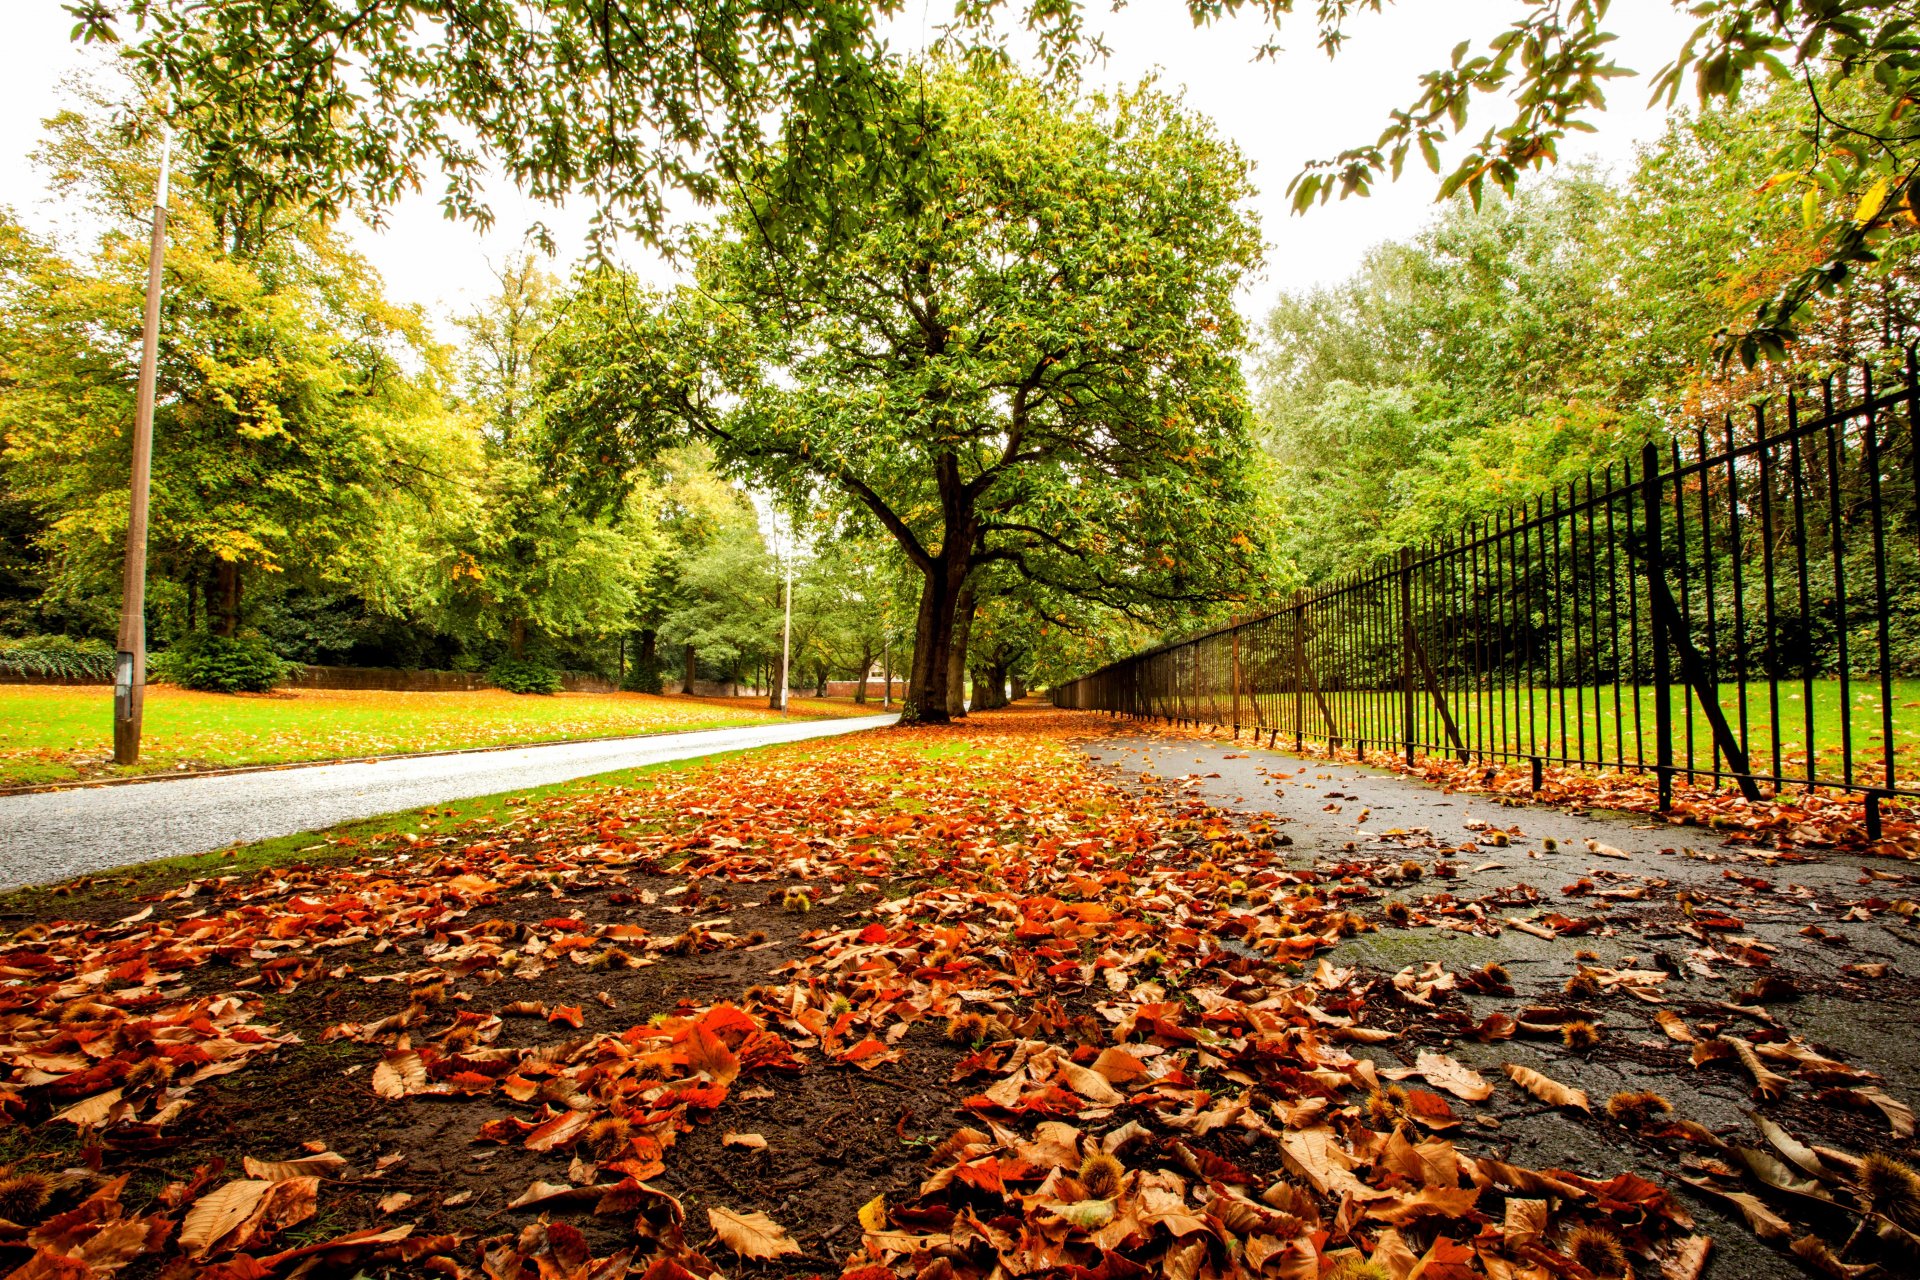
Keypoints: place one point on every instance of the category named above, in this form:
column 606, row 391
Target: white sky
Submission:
column 1280, row 112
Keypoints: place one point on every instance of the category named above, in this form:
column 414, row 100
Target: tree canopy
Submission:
column 1020, row 349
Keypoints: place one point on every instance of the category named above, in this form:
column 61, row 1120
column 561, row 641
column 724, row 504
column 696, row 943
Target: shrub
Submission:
column 644, row 677
column 524, row 675
column 245, row 663
column 60, row 657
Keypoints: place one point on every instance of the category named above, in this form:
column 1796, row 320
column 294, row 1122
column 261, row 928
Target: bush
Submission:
column 57, row 657
column 245, row 663
column 524, row 675
column 644, row 677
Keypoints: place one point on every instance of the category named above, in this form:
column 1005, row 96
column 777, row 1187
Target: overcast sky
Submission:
column 1280, row 112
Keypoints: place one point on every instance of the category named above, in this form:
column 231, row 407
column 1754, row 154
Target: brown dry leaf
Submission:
column 1815, row 1252
column 1766, row 1224
column 1674, row 1025
column 323, row 1165
column 1526, row 1221
column 215, row 1215
column 1443, row 1072
column 708, row 1054
column 1767, row 1083
column 92, row 1111
column 1688, row 1261
column 1090, row 1084
column 1898, row 1113
column 751, row 1235
column 286, row 1203
column 1547, row 1089
column 400, row 1073
column 394, row 1202
column 751, row 1141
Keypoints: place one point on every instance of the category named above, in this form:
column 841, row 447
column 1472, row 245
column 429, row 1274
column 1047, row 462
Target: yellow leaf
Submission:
column 1870, row 203
column 873, row 1214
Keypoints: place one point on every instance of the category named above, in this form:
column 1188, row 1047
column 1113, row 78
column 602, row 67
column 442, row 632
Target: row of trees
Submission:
column 334, row 484
column 989, row 381
column 1507, row 350
column 983, row 320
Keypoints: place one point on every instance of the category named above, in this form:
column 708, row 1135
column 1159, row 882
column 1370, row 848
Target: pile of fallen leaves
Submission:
column 1151, row 1067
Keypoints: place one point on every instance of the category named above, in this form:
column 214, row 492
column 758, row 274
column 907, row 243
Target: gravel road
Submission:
column 55, row 834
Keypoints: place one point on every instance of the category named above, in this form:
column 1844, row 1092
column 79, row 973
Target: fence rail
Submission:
column 1735, row 611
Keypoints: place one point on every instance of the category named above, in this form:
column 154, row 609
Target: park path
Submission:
column 51, row 835
column 1814, row 916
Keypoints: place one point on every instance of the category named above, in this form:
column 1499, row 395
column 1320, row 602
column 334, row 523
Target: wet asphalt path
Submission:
column 51, row 835
column 1814, row 916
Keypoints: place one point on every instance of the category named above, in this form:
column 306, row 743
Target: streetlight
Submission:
column 130, row 658
column 786, row 627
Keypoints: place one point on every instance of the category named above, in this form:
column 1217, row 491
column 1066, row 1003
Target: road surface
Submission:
column 52, row 835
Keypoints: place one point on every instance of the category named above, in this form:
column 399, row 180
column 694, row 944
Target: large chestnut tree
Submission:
column 1011, row 340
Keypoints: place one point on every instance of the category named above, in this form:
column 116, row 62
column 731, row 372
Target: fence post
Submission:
column 1236, row 675
column 1662, row 675
column 1299, row 668
column 1406, row 651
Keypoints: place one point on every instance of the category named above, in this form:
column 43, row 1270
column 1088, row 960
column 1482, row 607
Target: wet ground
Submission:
column 1794, row 941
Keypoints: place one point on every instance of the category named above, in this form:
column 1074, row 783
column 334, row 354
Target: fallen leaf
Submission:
column 751, row 1235
column 1546, row 1089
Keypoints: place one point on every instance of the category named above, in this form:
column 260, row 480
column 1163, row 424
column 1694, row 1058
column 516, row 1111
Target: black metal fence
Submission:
column 1738, row 609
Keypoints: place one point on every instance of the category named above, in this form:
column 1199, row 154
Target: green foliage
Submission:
column 524, row 675
column 1507, row 351
column 300, row 427
column 1015, row 344
column 329, row 105
column 243, row 663
column 60, row 657
column 645, row 674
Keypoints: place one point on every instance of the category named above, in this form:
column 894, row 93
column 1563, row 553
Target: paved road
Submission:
column 55, row 834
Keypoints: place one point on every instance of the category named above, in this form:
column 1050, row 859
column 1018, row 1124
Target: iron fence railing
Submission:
column 1737, row 609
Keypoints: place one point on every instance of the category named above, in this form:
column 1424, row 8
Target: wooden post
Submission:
column 130, row 658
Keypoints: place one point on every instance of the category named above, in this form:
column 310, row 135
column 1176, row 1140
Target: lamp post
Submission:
column 130, row 658
column 786, row 633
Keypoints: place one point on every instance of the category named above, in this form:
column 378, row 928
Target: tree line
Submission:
column 976, row 320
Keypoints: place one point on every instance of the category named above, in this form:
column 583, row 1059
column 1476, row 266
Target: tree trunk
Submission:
column 957, row 653
column 1019, row 692
column 777, row 685
column 223, row 610
column 860, row 680
column 687, row 667
column 820, row 683
column 517, row 637
column 926, row 700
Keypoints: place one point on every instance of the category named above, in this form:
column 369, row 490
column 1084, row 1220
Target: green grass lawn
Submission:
column 53, row 733
column 1495, row 720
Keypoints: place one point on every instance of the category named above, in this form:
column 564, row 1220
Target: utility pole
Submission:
column 130, row 660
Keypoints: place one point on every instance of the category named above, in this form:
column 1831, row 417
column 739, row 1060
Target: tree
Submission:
column 522, row 562
column 301, row 417
column 332, row 102
column 1507, row 350
column 1019, row 348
